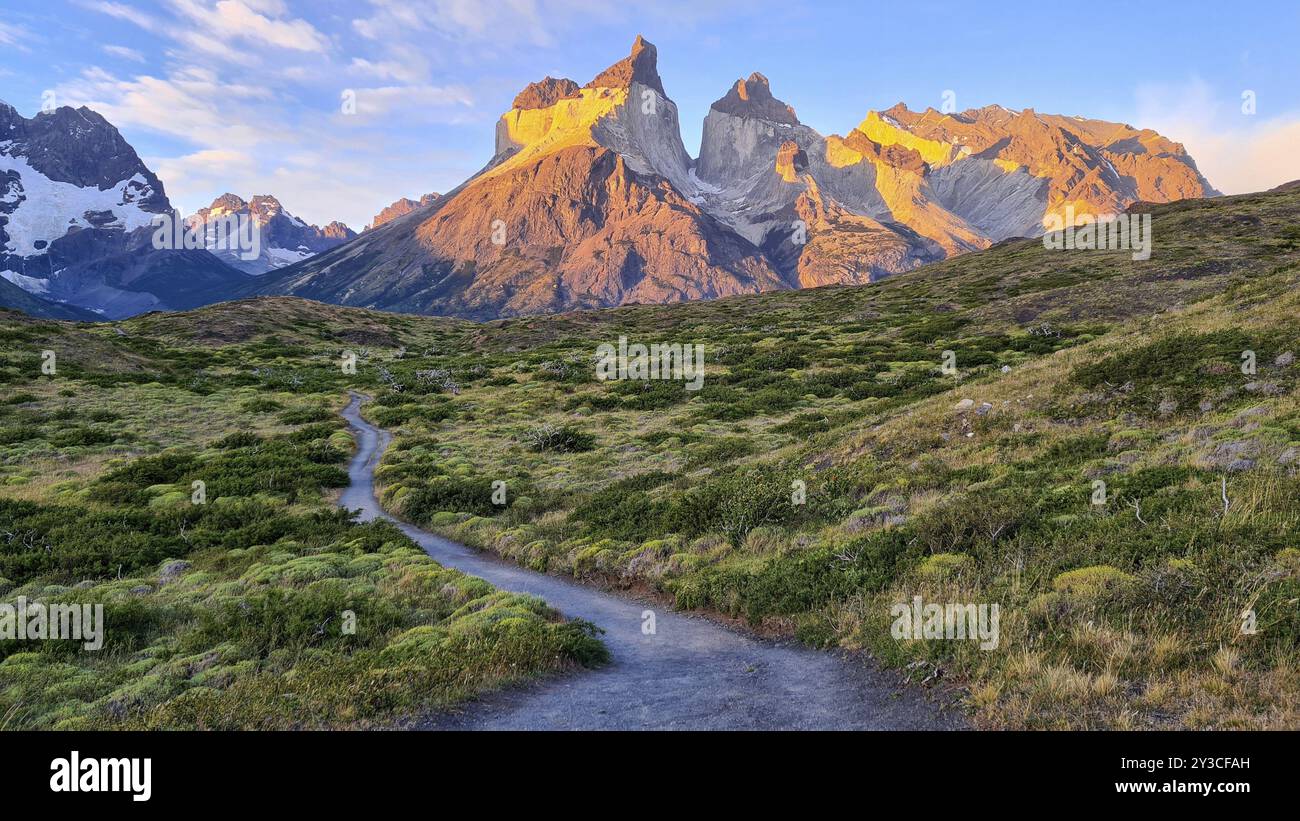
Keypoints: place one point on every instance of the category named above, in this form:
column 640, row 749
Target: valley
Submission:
column 1096, row 463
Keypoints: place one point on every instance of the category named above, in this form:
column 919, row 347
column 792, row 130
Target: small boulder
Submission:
column 1266, row 388
column 172, row 570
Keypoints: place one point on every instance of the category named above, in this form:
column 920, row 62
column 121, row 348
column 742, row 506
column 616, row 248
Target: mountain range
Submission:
column 284, row 238
column 77, row 226
column 591, row 200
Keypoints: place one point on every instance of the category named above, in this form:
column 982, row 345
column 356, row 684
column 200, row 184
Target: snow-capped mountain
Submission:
column 76, row 207
column 282, row 238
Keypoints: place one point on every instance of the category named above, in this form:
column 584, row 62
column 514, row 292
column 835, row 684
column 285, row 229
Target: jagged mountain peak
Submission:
column 67, row 112
column 546, row 93
column 226, row 203
column 401, row 208
column 79, row 147
column 641, row 66
column 338, row 230
column 624, row 110
column 1093, row 166
column 266, row 203
column 282, row 237
column 753, row 98
column 601, row 205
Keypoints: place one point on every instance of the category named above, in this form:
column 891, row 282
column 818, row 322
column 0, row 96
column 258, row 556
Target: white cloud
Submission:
column 1237, row 152
column 14, row 35
column 123, row 12
column 236, row 19
column 390, row 70
column 409, row 100
column 191, row 103
column 504, row 22
column 125, row 53
column 243, row 138
column 250, row 90
column 212, row 27
column 538, row 22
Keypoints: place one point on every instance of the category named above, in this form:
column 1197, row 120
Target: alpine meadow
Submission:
column 800, row 367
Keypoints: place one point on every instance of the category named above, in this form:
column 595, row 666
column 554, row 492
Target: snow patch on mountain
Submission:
column 31, row 285
column 46, row 210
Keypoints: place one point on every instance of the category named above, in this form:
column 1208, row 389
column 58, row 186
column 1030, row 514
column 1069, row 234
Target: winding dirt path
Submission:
column 692, row 674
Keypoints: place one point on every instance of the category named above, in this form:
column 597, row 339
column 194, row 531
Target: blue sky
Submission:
column 244, row 95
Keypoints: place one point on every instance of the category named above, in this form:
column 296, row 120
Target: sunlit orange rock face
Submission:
column 1097, row 166
column 791, row 161
column 402, row 207
column 591, row 200
column 616, row 237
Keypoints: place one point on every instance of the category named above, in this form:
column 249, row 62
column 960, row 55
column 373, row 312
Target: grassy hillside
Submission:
column 1121, row 605
column 973, row 488
column 261, row 607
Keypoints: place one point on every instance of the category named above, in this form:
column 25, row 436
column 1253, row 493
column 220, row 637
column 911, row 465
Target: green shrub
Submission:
column 1091, row 582
column 454, row 495
column 552, row 439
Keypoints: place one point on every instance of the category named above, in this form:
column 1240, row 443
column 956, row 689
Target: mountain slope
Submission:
column 401, row 208
column 76, row 207
column 16, row 299
column 978, row 487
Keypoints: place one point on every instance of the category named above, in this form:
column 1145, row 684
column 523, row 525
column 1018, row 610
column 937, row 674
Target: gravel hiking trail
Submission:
column 691, row 674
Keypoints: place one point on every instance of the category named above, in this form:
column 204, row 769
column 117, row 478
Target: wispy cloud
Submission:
column 192, row 103
column 123, row 12
column 264, row 22
column 1238, row 152
column 507, row 23
column 214, row 28
column 409, row 100
column 125, row 53
column 15, row 36
column 390, row 70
